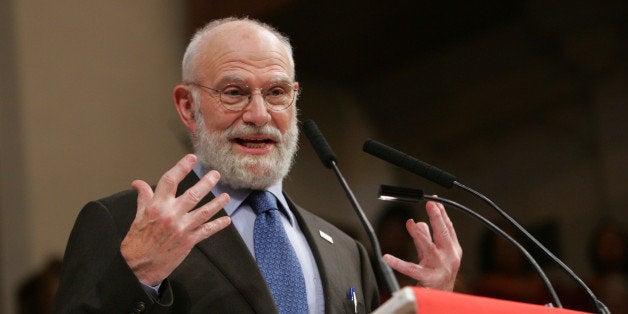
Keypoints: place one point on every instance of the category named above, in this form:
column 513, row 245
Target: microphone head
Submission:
column 320, row 145
column 397, row 193
column 409, row 163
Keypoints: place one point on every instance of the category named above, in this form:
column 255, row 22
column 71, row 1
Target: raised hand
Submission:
column 439, row 255
column 165, row 227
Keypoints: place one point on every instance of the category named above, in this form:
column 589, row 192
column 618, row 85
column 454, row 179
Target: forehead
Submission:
column 245, row 51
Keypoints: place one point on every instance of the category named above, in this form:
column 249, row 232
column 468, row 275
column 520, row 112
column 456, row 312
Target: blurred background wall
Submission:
column 525, row 101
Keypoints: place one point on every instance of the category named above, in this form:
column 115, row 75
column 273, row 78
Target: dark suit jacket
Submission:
column 218, row 276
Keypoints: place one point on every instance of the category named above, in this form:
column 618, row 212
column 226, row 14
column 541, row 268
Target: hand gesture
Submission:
column 165, row 227
column 439, row 255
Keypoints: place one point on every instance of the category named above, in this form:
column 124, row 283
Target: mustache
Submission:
column 247, row 130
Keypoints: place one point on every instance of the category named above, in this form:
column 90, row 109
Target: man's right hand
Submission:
column 165, row 227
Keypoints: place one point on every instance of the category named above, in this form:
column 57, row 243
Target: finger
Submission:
column 424, row 229
column 144, row 194
column 167, row 185
column 207, row 211
column 409, row 269
column 212, row 227
column 421, row 237
column 196, row 193
column 441, row 234
column 449, row 224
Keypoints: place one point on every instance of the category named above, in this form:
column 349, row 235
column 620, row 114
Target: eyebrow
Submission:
column 230, row 79
column 280, row 80
column 236, row 79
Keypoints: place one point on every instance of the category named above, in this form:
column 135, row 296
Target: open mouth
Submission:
column 253, row 142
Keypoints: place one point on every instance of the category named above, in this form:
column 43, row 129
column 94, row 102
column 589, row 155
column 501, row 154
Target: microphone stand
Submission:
column 601, row 307
column 447, row 180
column 388, row 275
column 390, row 193
column 328, row 158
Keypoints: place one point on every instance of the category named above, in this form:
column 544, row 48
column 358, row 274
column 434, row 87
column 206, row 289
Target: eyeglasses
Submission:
column 235, row 97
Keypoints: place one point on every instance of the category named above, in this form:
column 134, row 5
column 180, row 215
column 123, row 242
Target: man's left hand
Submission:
column 439, row 255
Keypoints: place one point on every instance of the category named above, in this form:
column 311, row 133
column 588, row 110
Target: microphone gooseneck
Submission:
column 601, row 307
column 394, row 193
column 327, row 156
column 447, row 180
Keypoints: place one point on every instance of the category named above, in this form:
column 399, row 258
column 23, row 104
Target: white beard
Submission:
column 257, row 172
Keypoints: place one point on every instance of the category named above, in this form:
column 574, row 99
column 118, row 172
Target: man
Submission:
column 191, row 245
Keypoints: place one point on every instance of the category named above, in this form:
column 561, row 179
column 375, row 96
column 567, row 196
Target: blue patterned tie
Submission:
column 275, row 255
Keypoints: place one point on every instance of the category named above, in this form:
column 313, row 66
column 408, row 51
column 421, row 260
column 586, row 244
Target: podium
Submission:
column 427, row 301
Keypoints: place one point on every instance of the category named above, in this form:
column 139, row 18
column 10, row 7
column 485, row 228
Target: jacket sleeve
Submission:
column 95, row 278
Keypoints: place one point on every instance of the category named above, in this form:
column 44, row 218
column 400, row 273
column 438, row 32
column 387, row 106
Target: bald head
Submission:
column 231, row 34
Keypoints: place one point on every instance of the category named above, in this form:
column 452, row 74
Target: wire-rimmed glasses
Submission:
column 236, row 97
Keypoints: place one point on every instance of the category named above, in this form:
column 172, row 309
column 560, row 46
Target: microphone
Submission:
column 409, row 163
column 395, row 193
column 448, row 180
column 327, row 156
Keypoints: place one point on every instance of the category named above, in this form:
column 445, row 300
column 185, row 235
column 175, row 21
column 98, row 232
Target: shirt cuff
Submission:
column 153, row 291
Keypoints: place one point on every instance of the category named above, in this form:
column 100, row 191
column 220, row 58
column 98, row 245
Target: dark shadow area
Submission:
column 36, row 292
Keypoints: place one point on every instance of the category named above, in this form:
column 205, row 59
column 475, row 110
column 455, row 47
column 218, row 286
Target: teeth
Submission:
column 255, row 145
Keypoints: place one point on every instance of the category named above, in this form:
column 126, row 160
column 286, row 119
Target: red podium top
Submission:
column 428, row 301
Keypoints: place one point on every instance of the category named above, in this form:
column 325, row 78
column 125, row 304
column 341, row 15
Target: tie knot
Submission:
column 262, row 201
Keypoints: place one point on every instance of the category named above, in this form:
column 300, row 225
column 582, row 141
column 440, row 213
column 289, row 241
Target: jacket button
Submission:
column 139, row 307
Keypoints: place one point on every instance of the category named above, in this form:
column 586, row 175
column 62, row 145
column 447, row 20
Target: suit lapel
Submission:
column 228, row 252
column 320, row 239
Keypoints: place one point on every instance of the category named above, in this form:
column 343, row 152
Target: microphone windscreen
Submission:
column 320, row 145
column 409, row 163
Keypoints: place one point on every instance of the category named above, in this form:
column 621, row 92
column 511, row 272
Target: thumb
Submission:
column 144, row 194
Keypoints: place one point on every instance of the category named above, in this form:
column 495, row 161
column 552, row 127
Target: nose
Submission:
column 256, row 112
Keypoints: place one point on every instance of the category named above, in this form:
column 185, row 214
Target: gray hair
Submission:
column 193, row 51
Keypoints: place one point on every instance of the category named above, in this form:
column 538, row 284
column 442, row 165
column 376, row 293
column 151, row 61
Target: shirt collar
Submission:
column 238, row 196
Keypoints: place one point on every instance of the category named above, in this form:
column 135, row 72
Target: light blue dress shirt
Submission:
column 243, row 219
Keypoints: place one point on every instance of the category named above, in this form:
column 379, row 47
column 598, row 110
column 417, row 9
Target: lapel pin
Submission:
column 326, row 236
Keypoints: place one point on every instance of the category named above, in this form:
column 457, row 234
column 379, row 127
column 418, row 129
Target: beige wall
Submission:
column 90, row 96
column 12, row 214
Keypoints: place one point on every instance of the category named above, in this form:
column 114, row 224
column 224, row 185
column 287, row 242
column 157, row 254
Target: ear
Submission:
column 183, row 103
